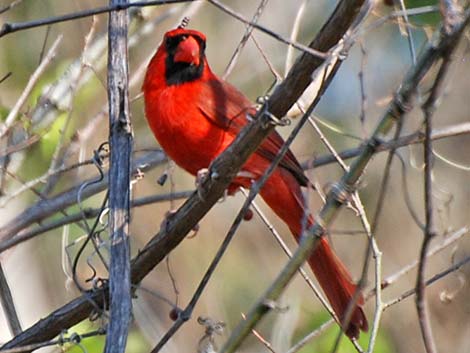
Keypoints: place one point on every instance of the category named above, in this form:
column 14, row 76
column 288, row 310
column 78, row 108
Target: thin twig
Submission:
column 409, row 34
column 246, row 36
column 72, row 338
column 457, row 235
column 305, row 49
column 382, row 146
column 5, row 77
column 293, row 36
column 60, row 152
column 8, row 28
column 10, row 6
column 430, row 281
column 286, row 250
column 8, row 305
column 312, row 335
column 260, row 337
column 429, row 108
column 379, row 304
column 45, row 208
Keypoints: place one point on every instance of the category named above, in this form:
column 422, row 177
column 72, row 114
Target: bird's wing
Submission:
column 228, row 108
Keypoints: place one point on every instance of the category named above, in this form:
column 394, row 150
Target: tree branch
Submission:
column 48, row 207
column 429, row 230
column 120, row 141
column 8, row 305
column 8, row 28
column 414, row 138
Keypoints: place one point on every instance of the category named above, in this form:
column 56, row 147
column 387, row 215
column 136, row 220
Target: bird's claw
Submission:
column 201, row 176
column 195, row 230
column 263, row 107
column 166, row 220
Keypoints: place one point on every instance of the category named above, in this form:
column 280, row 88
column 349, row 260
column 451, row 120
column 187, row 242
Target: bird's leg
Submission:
column 201, row 175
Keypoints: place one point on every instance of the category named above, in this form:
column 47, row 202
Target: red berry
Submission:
column 248, row 215
column 174, row 313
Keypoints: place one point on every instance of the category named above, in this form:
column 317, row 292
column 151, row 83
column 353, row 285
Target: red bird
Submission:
column 195, row 115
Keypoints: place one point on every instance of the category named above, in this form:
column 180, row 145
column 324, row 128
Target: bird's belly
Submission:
column 191, row 144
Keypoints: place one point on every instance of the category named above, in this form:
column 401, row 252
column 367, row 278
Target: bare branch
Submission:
column 10, row 6
column 120, row 141
column 313, row 52
column 86, row 213
column 8, row 28
column 244, row 40
column 47, row 207
column 429, row 230
column 382, row 146
column 8, row 305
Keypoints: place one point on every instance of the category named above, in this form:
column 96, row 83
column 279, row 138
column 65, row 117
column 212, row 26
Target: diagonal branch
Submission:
column 8, row 305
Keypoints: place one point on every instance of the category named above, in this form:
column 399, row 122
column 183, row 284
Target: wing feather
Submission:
column 228, row 108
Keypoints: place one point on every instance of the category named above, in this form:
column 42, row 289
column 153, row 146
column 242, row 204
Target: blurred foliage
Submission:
column 52, row 137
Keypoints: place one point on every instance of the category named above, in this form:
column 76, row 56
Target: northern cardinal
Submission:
column 195, row 115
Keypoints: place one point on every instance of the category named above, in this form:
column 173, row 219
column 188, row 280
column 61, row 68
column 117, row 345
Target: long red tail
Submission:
column 338, row 286
column 282, row 193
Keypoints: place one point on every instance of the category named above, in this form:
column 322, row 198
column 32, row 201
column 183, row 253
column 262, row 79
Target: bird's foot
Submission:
column 166, row 220
column 201, row 176
column 263, row 108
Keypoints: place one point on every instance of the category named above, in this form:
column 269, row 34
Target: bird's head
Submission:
column 185, row 57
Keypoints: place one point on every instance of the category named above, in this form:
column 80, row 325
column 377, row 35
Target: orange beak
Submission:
column 187, row 51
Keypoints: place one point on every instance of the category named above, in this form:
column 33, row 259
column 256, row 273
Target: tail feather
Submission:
column 338, row 286
column 282, row 193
